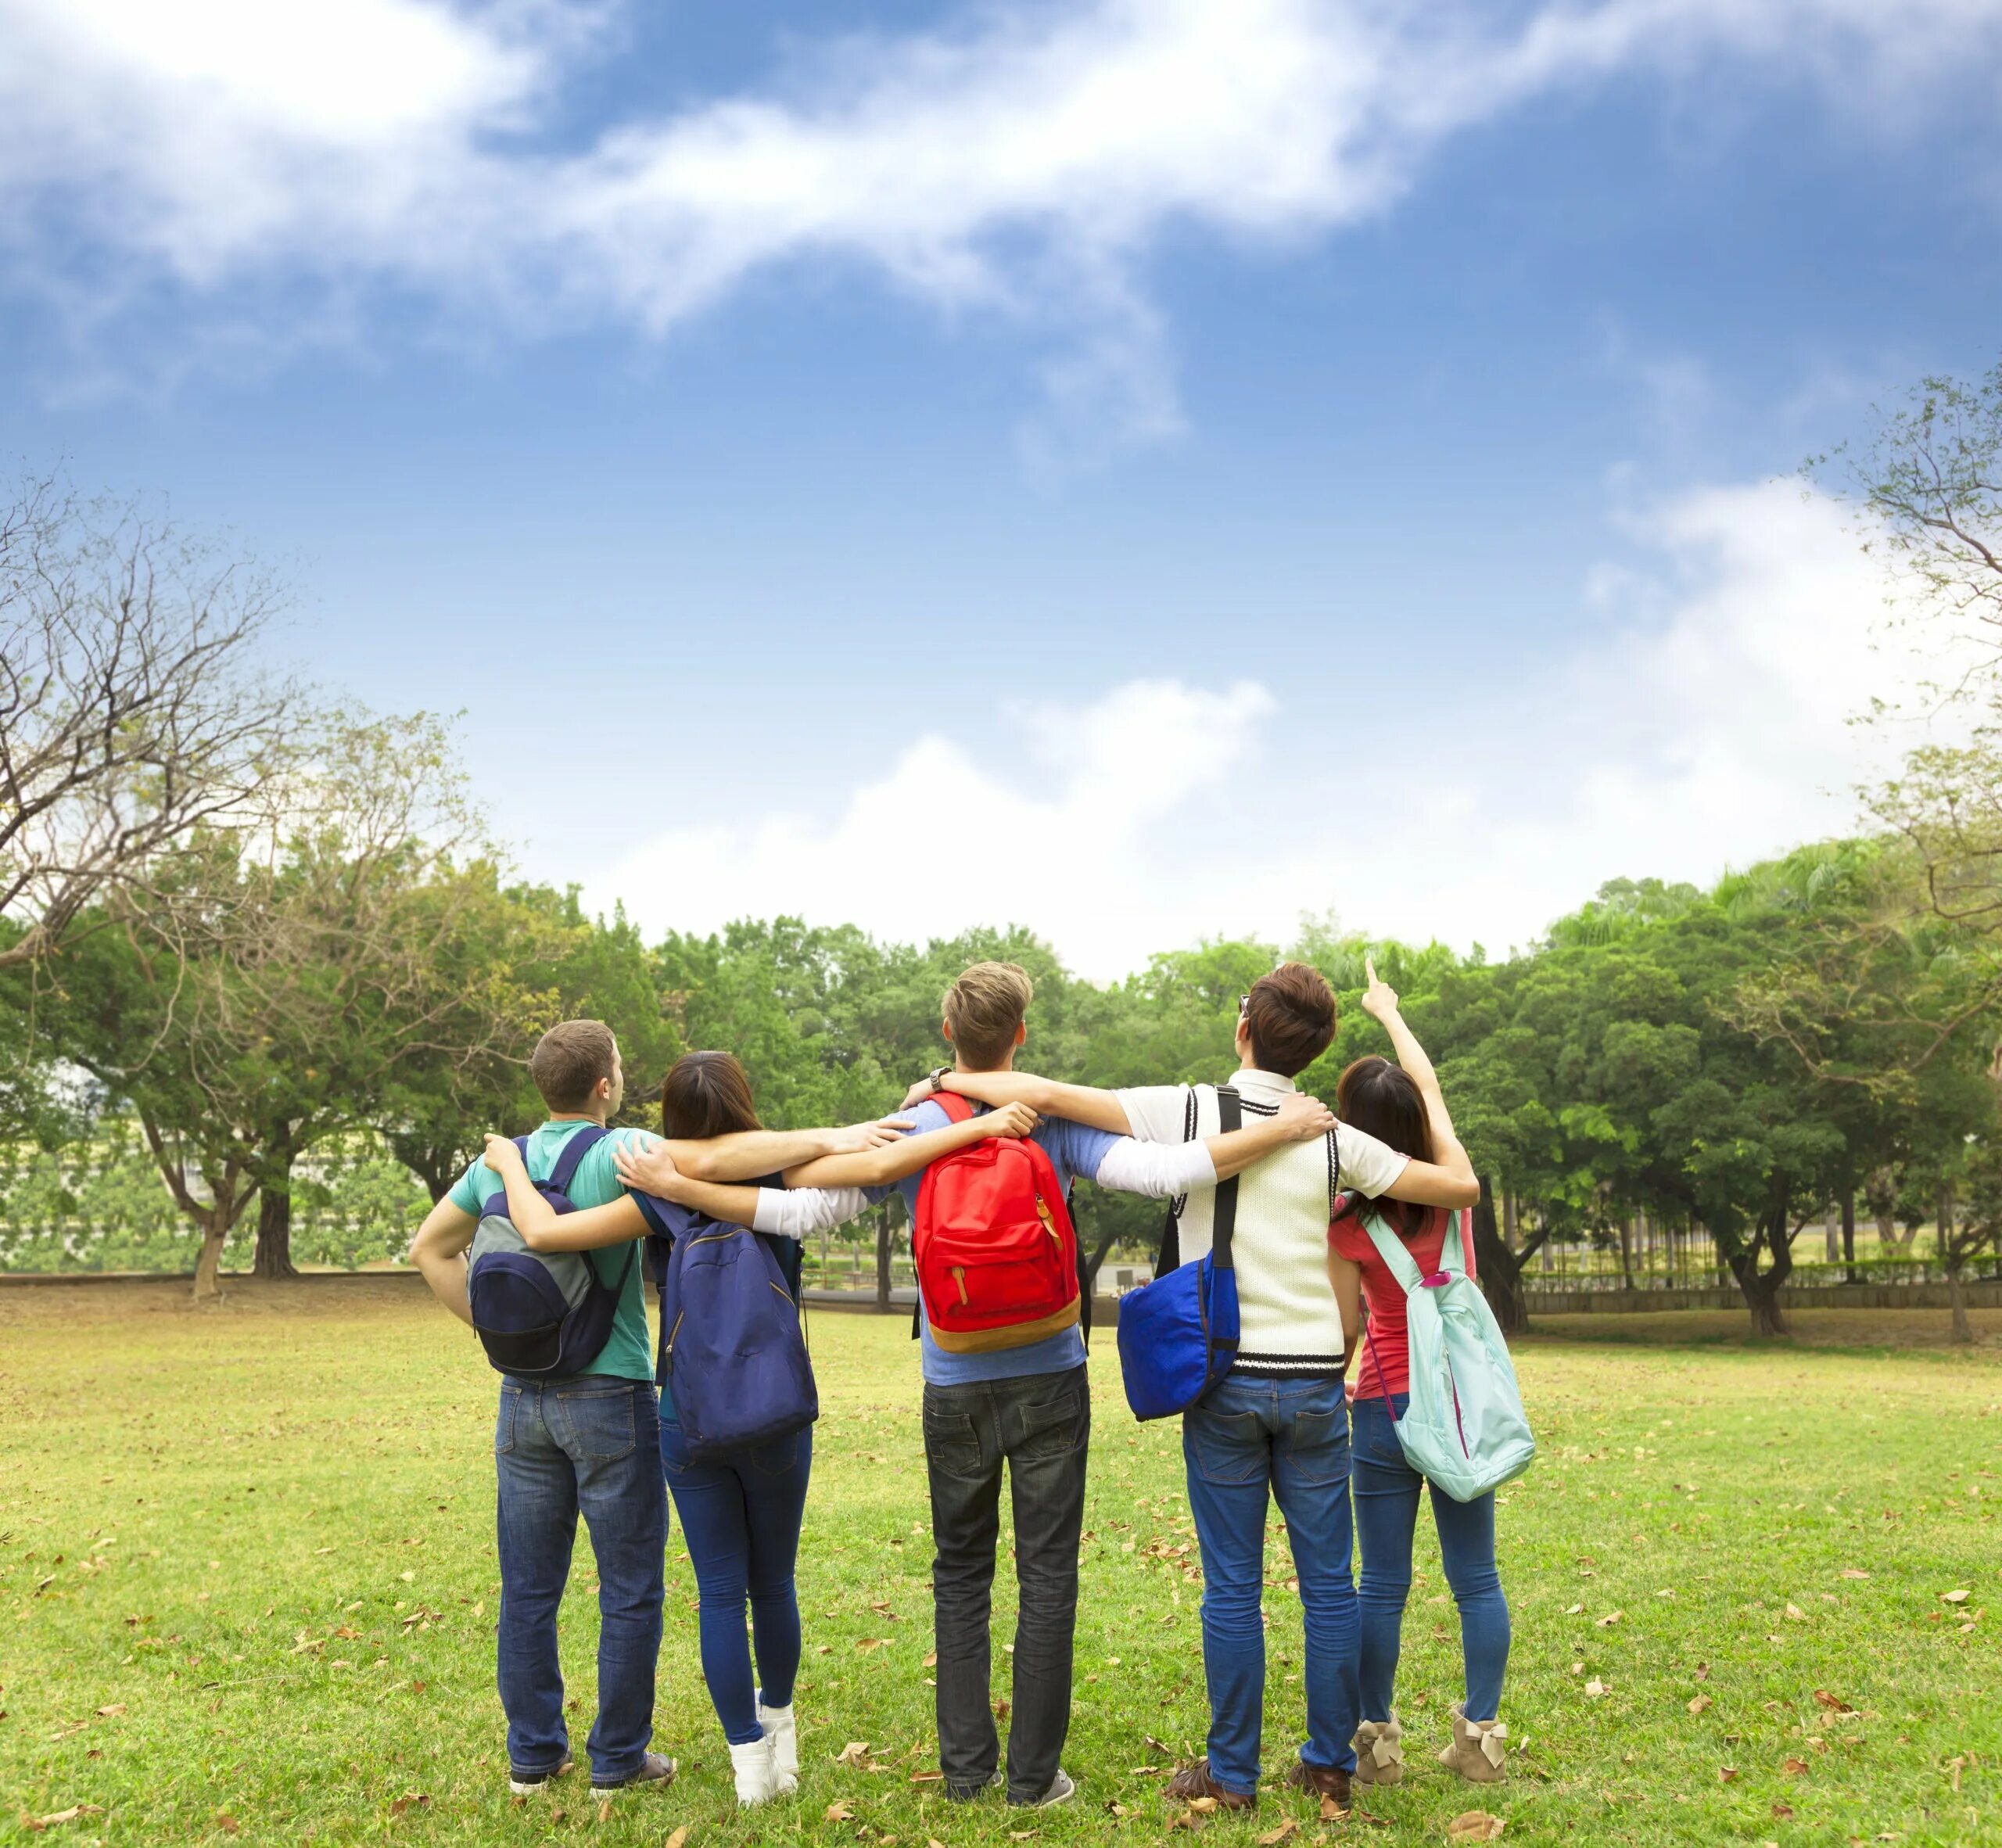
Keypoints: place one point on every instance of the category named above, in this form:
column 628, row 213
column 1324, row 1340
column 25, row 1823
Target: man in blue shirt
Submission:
column 1029, row 1407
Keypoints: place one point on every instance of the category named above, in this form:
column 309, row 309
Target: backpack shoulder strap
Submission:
column 1452, row 1248
column 1169, row 1257
column 574, row 1151
column 1396, row 1258
column 1230, row 1116
column 957, row 1108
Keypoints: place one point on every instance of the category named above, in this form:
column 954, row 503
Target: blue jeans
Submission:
column 571, row 1445
column 1289, row 1437
column 1387, row 1489
column 740, row 1519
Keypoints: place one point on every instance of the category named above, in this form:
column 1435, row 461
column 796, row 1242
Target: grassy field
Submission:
column 247, row 1587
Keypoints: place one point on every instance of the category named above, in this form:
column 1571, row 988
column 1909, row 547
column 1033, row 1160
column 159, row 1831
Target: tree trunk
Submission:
column 1849, row 1231
column 1761, row 1289
column 215, row 1234
column 272, row 1258
column 1499, row 1269
column 1831, row 1234
column 1957, row 1296
column 1511, row 1224
column 1627, row 1250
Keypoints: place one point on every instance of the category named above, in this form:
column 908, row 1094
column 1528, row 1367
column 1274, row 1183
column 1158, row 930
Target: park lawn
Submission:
column 247, row 1590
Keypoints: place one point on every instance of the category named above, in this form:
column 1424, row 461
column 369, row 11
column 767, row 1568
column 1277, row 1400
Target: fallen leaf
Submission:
column 1700, row 1702
column 1475, row 1825
column 409, row 1800
column 604, row 1810
column 62, row 1816
column 1331, row 1811
column 871, row 1643
column 1610, row 1618
column 1273, row 1837
column 931, row 1660
column 1703, row 1671
column 1795, row 1768
column 1854, row 1572
column 1727, row 1775
column 1782, row 1812
column 839, row 1812
column 676, row 1840
column 111, row 1712
column 1954, row 1597
column 226, row 1822
column 1203, row 1805
column 927, row 1777
column 1824, row 1698
column 1795, row 1614
column 407, row 1577
column 1574, row 1610
column 1595, row 1687
column 853, row 1752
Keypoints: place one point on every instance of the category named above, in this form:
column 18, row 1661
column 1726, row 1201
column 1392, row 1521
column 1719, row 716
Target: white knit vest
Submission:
column 1291, row 1327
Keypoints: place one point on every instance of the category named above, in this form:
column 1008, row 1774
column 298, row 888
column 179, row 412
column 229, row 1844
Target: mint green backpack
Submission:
column 1465, row 1430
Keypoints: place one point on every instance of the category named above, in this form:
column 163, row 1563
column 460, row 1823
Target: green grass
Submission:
column 259, row 1540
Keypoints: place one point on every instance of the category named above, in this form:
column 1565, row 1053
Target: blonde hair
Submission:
column 983, row 1009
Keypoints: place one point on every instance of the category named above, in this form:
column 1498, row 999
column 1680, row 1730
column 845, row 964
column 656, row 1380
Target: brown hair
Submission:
column 983, row 1009
column 705, row 1094
column 570, row 1060
column 1291, row 1014
column 1381, row 1100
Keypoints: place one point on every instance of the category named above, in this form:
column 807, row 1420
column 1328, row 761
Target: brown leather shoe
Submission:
column 1194, row 1781
column 1322, row 1780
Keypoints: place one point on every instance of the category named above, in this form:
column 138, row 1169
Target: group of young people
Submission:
column 1278, row 1426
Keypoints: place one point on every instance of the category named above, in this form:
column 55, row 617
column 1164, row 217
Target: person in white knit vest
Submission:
column 1277, row 1425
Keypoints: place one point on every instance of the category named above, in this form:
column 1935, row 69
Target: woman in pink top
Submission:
column 1401, row 1105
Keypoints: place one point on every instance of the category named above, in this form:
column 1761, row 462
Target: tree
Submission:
column 132, row 714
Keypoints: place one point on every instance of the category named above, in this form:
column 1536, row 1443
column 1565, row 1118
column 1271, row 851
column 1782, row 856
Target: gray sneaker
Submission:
column 653, row 1769
column 1061, row 1791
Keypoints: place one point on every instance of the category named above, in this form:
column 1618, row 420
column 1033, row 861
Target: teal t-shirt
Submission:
column 628, row 1353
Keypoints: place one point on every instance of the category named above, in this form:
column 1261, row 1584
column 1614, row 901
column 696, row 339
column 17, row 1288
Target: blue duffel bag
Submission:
column 1177, row 1335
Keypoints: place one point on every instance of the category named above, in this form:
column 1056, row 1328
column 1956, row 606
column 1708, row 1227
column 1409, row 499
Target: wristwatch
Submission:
column 939, row 1078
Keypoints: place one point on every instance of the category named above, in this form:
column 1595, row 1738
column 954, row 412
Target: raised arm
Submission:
column 1081, row 1103
column 748, row 1153
column 878, row 1167
column 1448, row 1180
column 542, row 1229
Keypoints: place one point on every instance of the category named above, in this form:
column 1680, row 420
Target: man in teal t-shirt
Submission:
column 627, row 1353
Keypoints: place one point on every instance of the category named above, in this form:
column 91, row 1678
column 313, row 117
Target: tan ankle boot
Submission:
column 1379, row 1752
column 1477, row 1749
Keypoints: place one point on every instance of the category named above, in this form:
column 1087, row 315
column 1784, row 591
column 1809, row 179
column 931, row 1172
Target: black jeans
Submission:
column 1040, row 1425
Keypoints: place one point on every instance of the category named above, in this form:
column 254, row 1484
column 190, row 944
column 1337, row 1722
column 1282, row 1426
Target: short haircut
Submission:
column 1291, row 1014
column 983, row 1009
column 570, row 1060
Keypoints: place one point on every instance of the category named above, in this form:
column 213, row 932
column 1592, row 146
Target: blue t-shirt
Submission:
column 1073, row 1149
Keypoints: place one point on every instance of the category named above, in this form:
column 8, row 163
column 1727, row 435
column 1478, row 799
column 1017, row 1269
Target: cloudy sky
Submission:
column 1138, row 468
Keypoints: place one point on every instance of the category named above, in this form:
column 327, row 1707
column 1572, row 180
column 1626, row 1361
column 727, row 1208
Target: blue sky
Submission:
column 1259, row 455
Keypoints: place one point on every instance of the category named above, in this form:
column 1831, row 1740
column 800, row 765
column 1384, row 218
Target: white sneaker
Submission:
column 779, row 1728
column 757, row 1776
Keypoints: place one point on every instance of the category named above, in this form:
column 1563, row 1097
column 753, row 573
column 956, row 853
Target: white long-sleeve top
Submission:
column 1160, row 1170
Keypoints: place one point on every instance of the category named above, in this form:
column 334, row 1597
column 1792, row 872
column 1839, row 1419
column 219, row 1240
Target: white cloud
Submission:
column 1023, row 163
column 1708, row 728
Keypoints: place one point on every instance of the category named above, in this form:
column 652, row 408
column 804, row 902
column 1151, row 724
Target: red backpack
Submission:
column 997, row 1256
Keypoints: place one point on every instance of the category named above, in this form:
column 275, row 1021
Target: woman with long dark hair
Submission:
column 1401, row 1104
column 740, row 1515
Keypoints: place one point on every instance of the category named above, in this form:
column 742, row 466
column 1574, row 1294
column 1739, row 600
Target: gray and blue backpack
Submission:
column 541, row 1314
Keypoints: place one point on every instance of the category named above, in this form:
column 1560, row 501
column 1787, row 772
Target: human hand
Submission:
column 501, row 1155
column 647, row 1169
column 1379, row 999
column 858, row 1139
column 918, row 1093
column 1302, row 1117
column 1013, row 1120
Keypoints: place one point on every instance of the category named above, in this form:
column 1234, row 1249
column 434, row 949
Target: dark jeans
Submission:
column 1040, row 1426
column 740, row 1519
column 582, row 1443
column 1289, row 1438
column 1387, row 1491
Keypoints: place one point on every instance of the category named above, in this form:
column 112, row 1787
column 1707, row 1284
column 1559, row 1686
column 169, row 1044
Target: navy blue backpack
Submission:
column 539, row 1315
column 733, row 1347
column 1177, row 1334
